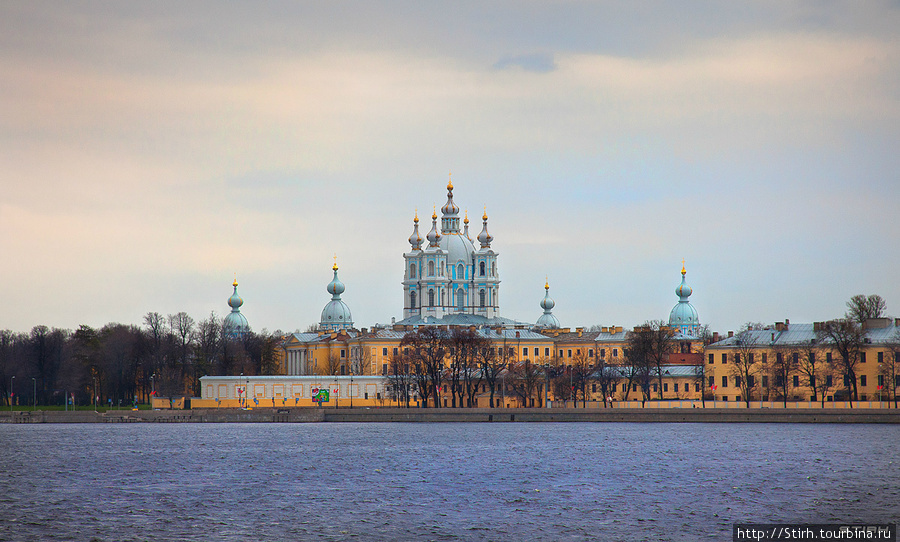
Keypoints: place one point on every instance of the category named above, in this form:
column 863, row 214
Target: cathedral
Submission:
column 452, row 279
column 446, row 277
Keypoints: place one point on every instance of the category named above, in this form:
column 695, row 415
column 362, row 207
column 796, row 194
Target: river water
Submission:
column 502, row 481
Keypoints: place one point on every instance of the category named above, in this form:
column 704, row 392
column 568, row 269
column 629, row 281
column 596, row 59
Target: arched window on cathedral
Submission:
column 481, row 269
column 412, row 299
column 442, row 269
column 481, row 295
column 412, row 270
column 430, row 269
column 494, row 269
column 430, row 298
column 461, row 299
column 460, row 272
column 443, row 297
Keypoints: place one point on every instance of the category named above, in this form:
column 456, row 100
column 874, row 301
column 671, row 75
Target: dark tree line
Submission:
column 125, row 363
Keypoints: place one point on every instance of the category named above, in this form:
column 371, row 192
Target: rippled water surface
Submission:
column 513, row 481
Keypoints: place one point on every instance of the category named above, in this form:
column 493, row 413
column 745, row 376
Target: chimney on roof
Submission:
column 730, row 334
column 517, row 335
column 779, row 326
column 715, row 337
column 787, row 324
column 579, row 330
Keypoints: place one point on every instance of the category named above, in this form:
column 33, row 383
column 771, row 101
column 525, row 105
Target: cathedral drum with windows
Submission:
column 445, row 274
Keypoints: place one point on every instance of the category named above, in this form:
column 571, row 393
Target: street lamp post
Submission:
column 879, row 387
column 242, row 399
column 33, row 394
column 547, row 386
column 11, row 394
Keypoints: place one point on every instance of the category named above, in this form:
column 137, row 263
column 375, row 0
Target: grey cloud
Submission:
column 539, row 63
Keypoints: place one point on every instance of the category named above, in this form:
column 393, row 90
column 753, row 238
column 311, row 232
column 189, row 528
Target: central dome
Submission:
column 458, row 247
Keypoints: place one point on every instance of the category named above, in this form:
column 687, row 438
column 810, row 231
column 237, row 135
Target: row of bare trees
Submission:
column 453, row 367
column 121, row 364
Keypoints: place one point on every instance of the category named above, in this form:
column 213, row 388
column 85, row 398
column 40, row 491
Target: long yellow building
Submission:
column 803, row 365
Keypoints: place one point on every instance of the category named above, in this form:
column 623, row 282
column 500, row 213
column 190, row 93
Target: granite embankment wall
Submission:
column 306, row 415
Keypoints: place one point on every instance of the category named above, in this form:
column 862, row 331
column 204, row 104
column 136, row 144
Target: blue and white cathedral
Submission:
column 446, row 275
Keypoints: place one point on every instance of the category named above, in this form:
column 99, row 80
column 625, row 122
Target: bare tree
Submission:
column 182, row 327
column 606, row 375
column 582, row 371
column 641, row 357
column 87, row 352
column 156, row 331
column 458, row 360
column 491, row 366
column 889, row 370
column 743, row 365
column 262, row 351
column 631, row 371
column 332, row 365
column 360, row 360
column 845, row 337
column 561, row 384
column 464, row 374
column 660, row 345
column 119, row 357
column 783, row 368
column 207, row 350
column 860, row 308
column 525, row 377
column 700, row 381
column 700, row 377
column 472, row 372
column 428, row 347
column 816, row 371
column 399, row 379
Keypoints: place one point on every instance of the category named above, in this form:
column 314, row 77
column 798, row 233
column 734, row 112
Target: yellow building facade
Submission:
column 800, row 365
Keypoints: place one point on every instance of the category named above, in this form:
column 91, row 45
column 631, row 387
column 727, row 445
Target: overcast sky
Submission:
column 149, row 151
